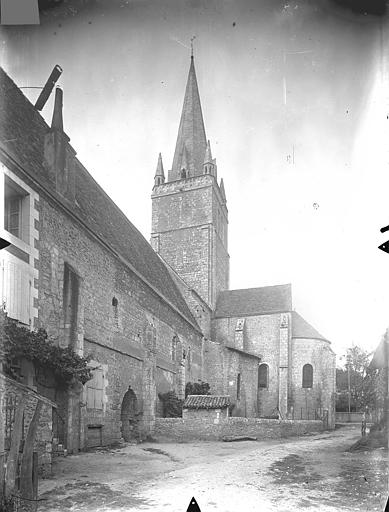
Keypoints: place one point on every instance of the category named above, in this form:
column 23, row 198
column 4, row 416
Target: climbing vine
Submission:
column 62, row 363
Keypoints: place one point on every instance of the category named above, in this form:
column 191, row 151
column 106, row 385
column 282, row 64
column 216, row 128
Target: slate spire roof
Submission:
column 191, row 132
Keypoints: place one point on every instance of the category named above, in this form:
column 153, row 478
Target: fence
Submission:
column 303, row 413
column 15, row 502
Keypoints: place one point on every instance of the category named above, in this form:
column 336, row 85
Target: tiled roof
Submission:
column 22, row 131
column 254, row 301
column 302, row 329
column 206, row 402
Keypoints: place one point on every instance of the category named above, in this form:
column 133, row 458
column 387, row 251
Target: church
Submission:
column 151, row 318
column 259, row 351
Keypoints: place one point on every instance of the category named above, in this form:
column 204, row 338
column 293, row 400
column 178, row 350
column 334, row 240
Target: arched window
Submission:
column 263, row 376
column 238, row 383
column 183, row 173
column 307, row 376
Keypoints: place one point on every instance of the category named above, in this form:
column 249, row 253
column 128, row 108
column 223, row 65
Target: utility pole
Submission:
column 349, row 391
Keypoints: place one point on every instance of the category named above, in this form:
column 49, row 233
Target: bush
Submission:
column 171, row 405
column 197, row 388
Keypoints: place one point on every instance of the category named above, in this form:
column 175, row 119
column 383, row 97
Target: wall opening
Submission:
column 307, row 376
column 129, row 416
column 263, row 376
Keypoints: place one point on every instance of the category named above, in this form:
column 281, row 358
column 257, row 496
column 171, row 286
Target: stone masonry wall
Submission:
column 180, row 430
column 321, row 396
column 262, row 338
column 187, row 233
column 123, row 324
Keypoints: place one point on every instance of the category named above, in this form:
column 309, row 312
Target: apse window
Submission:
column 307, row 376
column 16, row 210
column 263, row 376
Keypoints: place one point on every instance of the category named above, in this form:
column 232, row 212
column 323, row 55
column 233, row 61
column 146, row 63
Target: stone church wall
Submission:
column 262, row 338
column 126, row 328
column 321, row 396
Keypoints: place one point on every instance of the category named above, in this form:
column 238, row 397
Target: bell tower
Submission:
column 189, row 210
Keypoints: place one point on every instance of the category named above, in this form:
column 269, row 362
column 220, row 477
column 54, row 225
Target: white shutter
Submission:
column 16, row 288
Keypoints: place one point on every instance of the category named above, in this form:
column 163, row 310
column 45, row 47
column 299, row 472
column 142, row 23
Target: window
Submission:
column 263, row 376
column 70, row 304
column 307, row 376
column 183, row 173
column 238, row 387
column 95, row 390
column 16, row 210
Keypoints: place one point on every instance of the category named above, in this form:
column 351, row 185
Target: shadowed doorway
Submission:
column 128, row 416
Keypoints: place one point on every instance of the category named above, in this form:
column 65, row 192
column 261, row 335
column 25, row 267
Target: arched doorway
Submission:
column 128, row 415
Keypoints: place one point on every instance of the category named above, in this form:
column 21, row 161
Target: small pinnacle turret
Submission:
column 159, row 177
column 208, row 154
column 222, row 191
column 209, row 162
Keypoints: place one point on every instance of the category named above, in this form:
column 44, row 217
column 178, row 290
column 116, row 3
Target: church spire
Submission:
column 191, row 132
column 159, row 177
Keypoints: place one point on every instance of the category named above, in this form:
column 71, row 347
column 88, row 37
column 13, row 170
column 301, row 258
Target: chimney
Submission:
column 58, row 154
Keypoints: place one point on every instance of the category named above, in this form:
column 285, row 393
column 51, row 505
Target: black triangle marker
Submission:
column 384, row 247
column 193, row 507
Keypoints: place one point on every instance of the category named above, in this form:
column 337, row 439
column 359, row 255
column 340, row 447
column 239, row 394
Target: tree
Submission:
column 355, row 381
column 197, row 388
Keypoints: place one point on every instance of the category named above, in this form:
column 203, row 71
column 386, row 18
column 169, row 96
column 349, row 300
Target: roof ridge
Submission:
column 256, row 288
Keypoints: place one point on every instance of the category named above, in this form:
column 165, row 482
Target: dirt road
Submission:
column 307, row 473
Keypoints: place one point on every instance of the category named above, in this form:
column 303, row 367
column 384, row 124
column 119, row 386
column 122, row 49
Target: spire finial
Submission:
column 191, row 46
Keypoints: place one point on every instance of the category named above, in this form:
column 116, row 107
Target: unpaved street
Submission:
column 307, row 473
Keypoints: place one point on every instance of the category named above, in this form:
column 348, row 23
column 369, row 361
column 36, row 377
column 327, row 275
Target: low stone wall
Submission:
column 10, row 393
column 178, row 429
column 352, row 417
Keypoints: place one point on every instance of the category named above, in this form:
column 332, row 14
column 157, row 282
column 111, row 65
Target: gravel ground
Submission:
column 308, row 473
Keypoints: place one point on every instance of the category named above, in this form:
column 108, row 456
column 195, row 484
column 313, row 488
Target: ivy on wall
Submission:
column 61, row 363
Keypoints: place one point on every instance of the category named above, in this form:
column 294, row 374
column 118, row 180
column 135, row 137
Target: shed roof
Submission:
column 22, row 132
column 206, row 402
column 254, row 301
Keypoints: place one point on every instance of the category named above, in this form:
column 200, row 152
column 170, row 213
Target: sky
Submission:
column 295, row 103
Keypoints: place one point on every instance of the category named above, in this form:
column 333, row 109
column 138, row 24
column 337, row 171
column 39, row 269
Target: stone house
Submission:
column 151, row 317
column 77, row 267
